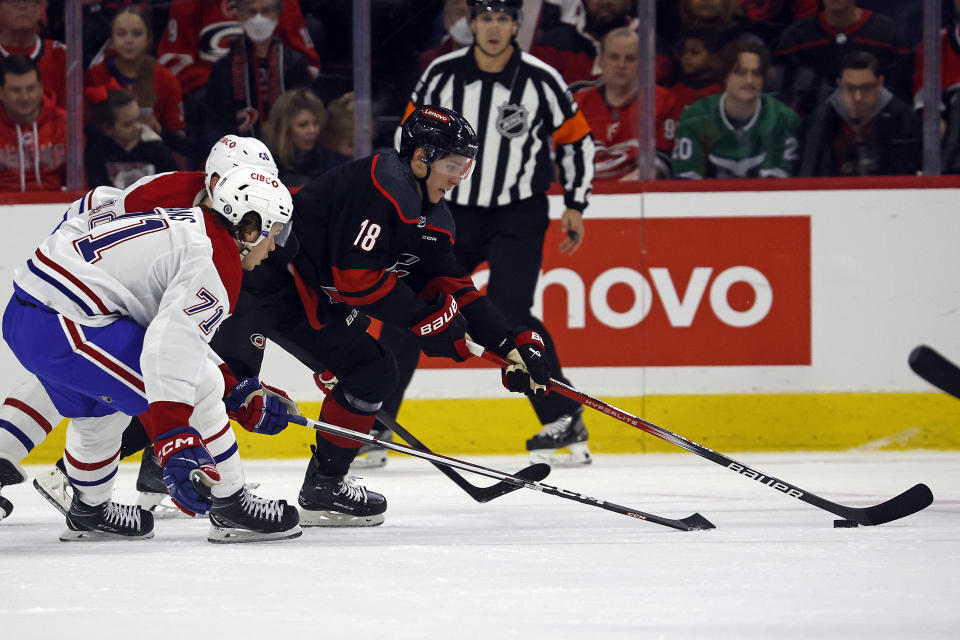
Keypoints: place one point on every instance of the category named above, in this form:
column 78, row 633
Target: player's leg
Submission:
column 367, row 373
column 88, row 372
column 27, row 416
column 236, row 515
column 515, row 255
column 90, row 461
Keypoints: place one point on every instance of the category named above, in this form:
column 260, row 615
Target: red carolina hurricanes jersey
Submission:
column 615, row 130
column 198, row 35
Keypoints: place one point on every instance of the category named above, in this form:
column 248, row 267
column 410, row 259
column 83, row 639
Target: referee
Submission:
column 521, row 109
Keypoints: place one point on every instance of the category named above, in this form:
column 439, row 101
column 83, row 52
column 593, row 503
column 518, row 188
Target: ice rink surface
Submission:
column 526, row 565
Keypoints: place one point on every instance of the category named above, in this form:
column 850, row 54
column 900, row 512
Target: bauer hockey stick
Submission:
column 935, row 369
column 910, row 501
column 537, row 471
column 691, row 523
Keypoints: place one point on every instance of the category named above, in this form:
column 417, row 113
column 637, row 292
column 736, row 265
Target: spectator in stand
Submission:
column 862, row 129
column 573, row 49
column 121, row 149
column 337, row 136
column 198, row 34
column 768, row 18
column 458, row 33
column 19, row 25
column 611, row 110
column 723, row 17
column 33, row 129
column 811, row 49
column 699, row 67
column 293, row 134
column 246, row 82
column 129, row 63
column 739, row 133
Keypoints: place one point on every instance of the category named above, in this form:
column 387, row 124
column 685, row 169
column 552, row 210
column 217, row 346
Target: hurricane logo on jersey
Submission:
column 258, row 340
column 513, row 120
column 215, row 39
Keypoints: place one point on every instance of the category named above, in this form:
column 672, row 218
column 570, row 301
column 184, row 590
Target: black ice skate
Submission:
column 567, row 431
column 107, row 521
column 244, row 517
column 10, row 473
column 337, row 501
column 372, row 456
column 153, row 492
column 54, row 485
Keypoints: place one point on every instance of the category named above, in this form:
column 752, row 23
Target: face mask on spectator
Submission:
column 259, row 28
column 460, row 31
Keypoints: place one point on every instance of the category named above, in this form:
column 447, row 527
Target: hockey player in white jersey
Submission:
column 27, row 415
column 113, row 314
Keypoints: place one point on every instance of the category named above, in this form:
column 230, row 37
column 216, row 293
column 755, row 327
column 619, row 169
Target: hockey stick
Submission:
column 690, row 523
column 537, row 471
column 935, row 369
column 534, row 472
column 910, row 501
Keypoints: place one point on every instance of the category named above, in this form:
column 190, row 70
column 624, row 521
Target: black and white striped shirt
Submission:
column 516, row 113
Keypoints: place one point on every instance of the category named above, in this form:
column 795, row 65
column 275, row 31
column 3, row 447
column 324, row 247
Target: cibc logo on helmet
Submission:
column 262, row 178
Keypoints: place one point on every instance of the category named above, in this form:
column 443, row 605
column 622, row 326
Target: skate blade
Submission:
column 578, row 456
column 160, row 505
column 55, row 488
column 99, row 536
column 372, row 460
column 310, row 518
column 229, row 535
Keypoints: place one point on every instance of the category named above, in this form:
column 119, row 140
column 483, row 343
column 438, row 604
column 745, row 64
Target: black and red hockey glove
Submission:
column 531, row 372
column 442, row 330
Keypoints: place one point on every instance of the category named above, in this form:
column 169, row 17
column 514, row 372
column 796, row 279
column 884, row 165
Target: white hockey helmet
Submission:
column 232, row 151
column 248, row 188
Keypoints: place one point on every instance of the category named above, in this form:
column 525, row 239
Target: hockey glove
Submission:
column 442, row 331
column 188, row 469
column 259, row 408
column 531, row 373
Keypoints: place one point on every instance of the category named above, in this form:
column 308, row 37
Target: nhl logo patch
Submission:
column 512, row 120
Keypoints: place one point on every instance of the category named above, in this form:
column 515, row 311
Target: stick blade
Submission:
column 935, row 369
column 914, row 499
column 697, row 522
column 533, row 473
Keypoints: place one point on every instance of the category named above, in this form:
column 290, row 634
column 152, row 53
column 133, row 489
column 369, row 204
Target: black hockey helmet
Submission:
column 512, row 7
column 439, row 132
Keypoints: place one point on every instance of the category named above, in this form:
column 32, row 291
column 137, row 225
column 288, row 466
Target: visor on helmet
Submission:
column 452, row 165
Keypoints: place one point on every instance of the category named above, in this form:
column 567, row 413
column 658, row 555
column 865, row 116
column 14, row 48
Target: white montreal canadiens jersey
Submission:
column 156, row 268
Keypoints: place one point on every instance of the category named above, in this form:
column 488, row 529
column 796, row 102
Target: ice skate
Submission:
column 373, row 456
column 244, row 517
column 107, row 521
column 10, row 473
column 55, row 487
column 153, row 492
column 337, row 501
column 568, row 432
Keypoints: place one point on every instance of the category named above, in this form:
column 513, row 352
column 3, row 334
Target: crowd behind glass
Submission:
column 744, row 88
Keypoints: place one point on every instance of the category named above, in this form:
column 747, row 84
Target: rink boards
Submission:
column 744, row 320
